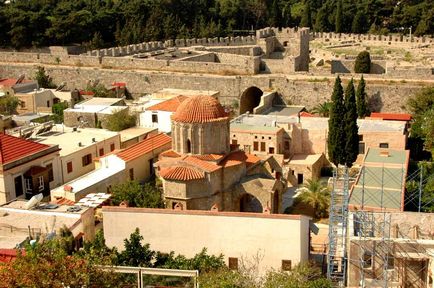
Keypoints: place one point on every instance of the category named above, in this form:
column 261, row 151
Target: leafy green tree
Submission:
column 137, row 195
column 57, row 110
column 9, row 105
column 100, row 91
column 420, row 105
column 351, row 128
column 44, row 80
column 339, row 18
column 120, row 120
column 361, row 99
column 135, row 253
column 306, row 19
column 321, row 20
column 315, row 194
column 363, row 63
column 336, row 134
column 322, row 109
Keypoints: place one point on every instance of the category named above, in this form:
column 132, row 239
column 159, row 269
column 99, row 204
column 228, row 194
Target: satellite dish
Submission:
column 34, row 201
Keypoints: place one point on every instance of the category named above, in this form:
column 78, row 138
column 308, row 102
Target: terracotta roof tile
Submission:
column 199, row 109
column 242, row 156
column 181, row 173
column 144, row 147
column 209, row 157
column 204, row 165
column 169, row 105
column 14, row 148
column 306, row 114
column 8, row 255
column 391, row 116
column 170, row 153
column 64, row 201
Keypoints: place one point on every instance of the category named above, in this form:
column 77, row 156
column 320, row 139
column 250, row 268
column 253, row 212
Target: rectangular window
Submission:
column 132, row 174
column 112, row 147
column 286, row 145
column 28, row 184
column 234, row 142
column 48, row 103
column 361, row 148
column 50, row 172
column 384, row 145
column 255, row 146
column 41, row 183
column 23, row 104
column 286, row 265
column 367, row 259
column 69, row 167
column 360, row 138
column 263, row 146
column 86, row 159
column 233, row 263
column 154, row 118
column 101, row 152
column 271, row 150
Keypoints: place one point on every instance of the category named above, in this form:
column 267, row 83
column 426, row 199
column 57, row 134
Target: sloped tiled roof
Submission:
column 391, row 116
column 7, row 255
column 64, row 201
column 241, row 156
column 169, row 105
column 199, row 109
column 144, row 147
column 181, row 173
column 209, row 157
column 170, row 153
column 14, row 148
column 204, row 165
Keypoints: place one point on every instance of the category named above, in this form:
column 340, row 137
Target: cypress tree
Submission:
column 336, row 133
column 359, row 23
column 362, row 110
column 321, row 20
column 350, row 124
column 306, row 20
column 339, row 18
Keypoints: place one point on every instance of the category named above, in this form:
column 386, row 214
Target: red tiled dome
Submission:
column 199, row 109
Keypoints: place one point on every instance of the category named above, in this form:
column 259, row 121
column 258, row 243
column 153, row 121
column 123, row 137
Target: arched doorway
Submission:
column 249, row 203
column 250, row 99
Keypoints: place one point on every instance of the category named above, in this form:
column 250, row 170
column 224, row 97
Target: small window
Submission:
column 286, row 265
column 256, row 137
column 234, row 135
column 48, row 103
column 23, row 104
column 154, row 118
column 86, row 159
column 263, row 137
column 28, row 184
column 263, row 146
column 69, row 167
column 384, row 145
column 234, row 142
column 360, row 138
column 255, row 146
column 269, row 138
column 271, row 150
column 390, row 262
column 367, row 259
column 286, row 145
column 132, row 174
column 50, row 172
column 101, row 152
column 112, row 147
column 41, row 183
column 233, row 263
column 361, row 148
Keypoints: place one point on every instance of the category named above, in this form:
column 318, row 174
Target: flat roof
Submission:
column 305, row 159
column 319, row 123
column 100, row 101
column 17, row 221
column 68, row 140
column 393, row 156
column 28, row 117
column 134, row 132
column 253, row 128
column 284, row 110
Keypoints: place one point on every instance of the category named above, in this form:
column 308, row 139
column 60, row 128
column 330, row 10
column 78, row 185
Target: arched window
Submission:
column 188, row 146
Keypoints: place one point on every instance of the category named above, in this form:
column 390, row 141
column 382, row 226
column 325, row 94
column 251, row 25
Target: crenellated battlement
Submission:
column 387, row 39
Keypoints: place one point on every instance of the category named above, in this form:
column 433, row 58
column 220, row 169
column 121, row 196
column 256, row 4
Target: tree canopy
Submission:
column 35, row 23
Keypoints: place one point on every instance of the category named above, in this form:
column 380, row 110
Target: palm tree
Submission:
column 315, row 194
column 322, row 109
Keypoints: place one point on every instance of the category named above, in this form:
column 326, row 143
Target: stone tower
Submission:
column 200, row 126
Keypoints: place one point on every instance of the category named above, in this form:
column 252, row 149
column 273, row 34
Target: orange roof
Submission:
column 241, row 156
column 64, row 201
column 199, row 109
column 8, row 255
column 144, row 147
column 169, row 105
column 306, row 114
column 207, row 166
column 209, row 157
column 170, row 153
column 181, row 174
column 14, row 148
column 392, row 116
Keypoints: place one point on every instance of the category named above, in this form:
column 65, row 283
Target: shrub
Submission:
column 120, row 120
column 363, row 63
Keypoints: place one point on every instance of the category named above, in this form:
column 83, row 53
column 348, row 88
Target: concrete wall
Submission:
column 386, row 95
column 246, row 140
column 240, row 235
column 164, row 121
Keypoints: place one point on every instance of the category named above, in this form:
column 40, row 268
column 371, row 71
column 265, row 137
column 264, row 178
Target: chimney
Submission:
column 79, row 144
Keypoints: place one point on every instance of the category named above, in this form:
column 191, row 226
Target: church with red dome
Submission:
column 203, row 171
